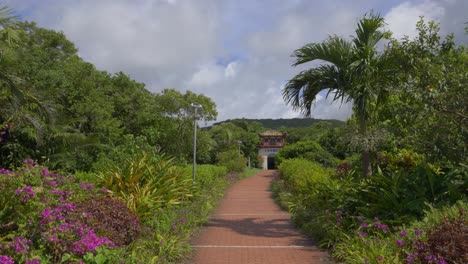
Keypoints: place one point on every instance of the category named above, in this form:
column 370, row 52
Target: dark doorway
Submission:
column 271, row 163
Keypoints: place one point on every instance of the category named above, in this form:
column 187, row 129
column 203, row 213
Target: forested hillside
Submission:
column 287, row 123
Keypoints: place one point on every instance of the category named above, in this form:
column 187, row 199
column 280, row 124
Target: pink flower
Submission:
column 6, row 260
column 402, row 233
column 86, row 185
column 20, row 245
column 400, row 242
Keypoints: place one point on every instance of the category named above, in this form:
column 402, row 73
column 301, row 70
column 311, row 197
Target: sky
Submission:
column 237, row 52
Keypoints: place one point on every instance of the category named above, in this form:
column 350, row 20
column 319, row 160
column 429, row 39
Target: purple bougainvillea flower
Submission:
column 411, row 257
column 34, row 261
column 6, row 260
column 86, row 185
column 441, row 261
column 430, row 257
column 20, row 245
column 400, row 242
column 402, row 233
column 418, row 232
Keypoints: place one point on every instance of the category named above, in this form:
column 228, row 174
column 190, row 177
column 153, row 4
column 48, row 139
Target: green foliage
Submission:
column 206, row 174
column 307, row 149
column 171, row 227
column 428, row 110
column 289, row 123
column 336, row 210
column 226, row 136
column 147, row 183
column 232, row 160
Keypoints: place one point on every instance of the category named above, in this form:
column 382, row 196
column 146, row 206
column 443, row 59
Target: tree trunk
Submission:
column 365, row 156
column 366, row 163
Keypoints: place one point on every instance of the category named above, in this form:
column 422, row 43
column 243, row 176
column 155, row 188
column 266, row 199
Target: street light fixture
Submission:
column 239, row 145
column 195, row 106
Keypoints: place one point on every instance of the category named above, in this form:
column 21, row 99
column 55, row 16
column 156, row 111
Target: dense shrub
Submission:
column 307, row 149
column 232, row 160
column 108, row 217
column 36, row 216
column 448, row 241
column 364, row 219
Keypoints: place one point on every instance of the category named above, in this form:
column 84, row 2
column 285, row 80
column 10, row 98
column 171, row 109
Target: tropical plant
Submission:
column 146, row 183
column 353, row 71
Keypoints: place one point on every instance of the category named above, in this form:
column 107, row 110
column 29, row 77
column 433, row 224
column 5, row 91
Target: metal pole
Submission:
column 194, row 146
column 195, row 107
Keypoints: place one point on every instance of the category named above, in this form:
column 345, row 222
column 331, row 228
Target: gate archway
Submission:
column 271, row 162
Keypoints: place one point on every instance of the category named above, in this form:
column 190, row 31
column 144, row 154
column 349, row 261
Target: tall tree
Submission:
column 23, row 115
column 351, row 71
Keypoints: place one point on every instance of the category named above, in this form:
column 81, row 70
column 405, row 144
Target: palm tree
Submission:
column 351, row 71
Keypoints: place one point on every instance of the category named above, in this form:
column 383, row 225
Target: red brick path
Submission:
column 248, row 227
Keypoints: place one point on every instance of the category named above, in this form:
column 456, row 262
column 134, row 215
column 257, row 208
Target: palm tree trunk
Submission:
column 365, row 155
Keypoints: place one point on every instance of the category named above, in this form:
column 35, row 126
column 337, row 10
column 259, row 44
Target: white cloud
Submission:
column 402, row 19
column 231, row 70
column 207, row 75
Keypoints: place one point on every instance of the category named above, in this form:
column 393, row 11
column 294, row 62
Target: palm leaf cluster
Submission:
column 349, row 70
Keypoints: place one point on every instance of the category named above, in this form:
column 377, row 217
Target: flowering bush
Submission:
column 109, row 217
column 37, row 216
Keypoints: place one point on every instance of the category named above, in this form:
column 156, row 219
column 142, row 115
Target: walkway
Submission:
column 248, row 227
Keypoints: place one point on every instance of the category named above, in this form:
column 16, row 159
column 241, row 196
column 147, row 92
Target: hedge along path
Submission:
column 249, row 228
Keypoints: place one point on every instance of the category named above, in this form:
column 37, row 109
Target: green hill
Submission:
column 293, row 122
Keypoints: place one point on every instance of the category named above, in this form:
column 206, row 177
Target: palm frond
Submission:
column 9, row 25
column 335, row 50
column 301, row 91
column 368, row 35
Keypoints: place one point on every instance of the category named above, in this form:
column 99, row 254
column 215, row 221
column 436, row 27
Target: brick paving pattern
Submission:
column 249, row 228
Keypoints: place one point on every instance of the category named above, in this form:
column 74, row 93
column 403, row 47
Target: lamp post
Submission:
column 195, row 106
column 239, row 144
